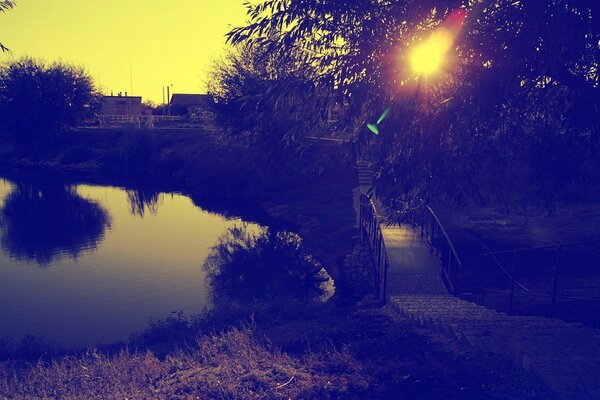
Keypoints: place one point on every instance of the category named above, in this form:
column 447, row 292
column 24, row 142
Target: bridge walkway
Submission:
column 412, row 268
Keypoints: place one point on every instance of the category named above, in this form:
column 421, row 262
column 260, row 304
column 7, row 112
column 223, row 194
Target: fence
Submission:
column 441, row 246
column 370, row 229
column 111, row 119
column 499, row 282
column 545, row 289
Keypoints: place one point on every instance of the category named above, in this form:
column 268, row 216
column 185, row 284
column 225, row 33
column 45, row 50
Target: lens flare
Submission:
column 373, row 128
column 429, row 57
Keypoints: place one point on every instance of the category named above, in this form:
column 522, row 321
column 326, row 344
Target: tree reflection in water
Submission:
column 142, row 200
column 248, row 266
column 44, row 221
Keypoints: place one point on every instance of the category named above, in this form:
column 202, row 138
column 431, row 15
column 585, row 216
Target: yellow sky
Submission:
column 164, row 41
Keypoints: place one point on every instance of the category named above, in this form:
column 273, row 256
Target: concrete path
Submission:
column 412, row 269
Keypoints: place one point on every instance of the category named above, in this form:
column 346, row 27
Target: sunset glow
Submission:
column 130, row 46
column 428, row 57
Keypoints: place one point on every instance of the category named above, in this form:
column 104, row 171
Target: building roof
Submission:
column 190, row 99
column 122, row 97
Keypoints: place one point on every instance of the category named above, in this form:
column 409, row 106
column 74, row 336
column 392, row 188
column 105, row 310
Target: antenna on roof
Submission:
column 131, row 77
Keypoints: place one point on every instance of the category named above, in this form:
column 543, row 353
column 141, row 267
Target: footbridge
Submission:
column 418, row 274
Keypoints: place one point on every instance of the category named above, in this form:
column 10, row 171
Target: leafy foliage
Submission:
column 251, row 266
column 513, row 118
column 38, row 100
column 5, row 5
column 268, row 94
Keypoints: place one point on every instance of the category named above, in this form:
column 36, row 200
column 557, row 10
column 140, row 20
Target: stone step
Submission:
column 566, row 356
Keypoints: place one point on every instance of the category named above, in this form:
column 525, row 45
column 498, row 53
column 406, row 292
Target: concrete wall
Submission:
column 121, row 105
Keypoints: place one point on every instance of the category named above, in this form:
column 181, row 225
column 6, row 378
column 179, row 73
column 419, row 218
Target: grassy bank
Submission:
column 230, row 365
column 332, row 353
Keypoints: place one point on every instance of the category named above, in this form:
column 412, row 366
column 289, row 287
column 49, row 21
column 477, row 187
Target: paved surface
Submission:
column 412, row 270
column 566, row 356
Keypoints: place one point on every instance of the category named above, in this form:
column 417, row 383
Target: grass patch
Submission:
column 229, row 365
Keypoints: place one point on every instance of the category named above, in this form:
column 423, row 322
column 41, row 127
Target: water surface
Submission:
column 82, row 264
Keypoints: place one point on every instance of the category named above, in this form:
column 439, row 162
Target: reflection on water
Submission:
column 115, row 258
column 143, row 200
column 44, row 220
column 103, row 277
column 255, row 264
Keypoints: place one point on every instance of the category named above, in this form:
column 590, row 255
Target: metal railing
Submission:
column 138, row 118
column 441, row 247
column 507, row 281
column 553, row 293
column 370, row 230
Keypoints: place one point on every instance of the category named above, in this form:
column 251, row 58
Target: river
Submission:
column 82, row 264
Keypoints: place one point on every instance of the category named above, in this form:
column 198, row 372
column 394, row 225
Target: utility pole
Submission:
column 169, row 99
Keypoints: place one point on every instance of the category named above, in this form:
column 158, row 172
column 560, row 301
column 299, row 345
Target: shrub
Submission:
column 39, row 100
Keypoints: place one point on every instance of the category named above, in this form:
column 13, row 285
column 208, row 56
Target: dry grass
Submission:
column 230, row 365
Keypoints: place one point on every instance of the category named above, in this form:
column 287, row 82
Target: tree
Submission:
column 270, row 94
column 358, row 45
column 515, row 114
column 5, row 5
column 39, row 100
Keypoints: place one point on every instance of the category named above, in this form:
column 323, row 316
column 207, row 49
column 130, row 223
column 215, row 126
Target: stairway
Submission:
column 365, row 176
column 566, row 356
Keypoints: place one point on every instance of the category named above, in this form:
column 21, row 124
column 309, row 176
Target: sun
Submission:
column 429, row 56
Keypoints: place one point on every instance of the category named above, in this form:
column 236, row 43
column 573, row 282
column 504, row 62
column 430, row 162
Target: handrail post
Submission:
column 361, row 213
column 555, row 286
column 385, row 269
column 512, row 285
column 382, row 268
column 486, row 277
column 455, row 279
column 431, row 234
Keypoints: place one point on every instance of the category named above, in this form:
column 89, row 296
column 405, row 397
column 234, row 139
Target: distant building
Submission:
column 121, row 105
column 189, row 104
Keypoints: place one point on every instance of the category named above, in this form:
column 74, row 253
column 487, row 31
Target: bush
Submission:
column 39, row 100
column 250, row 265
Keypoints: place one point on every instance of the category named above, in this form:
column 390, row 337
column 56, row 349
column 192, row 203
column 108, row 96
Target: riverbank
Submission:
column 290, row 351
column 309, row 191
column 332, row 353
